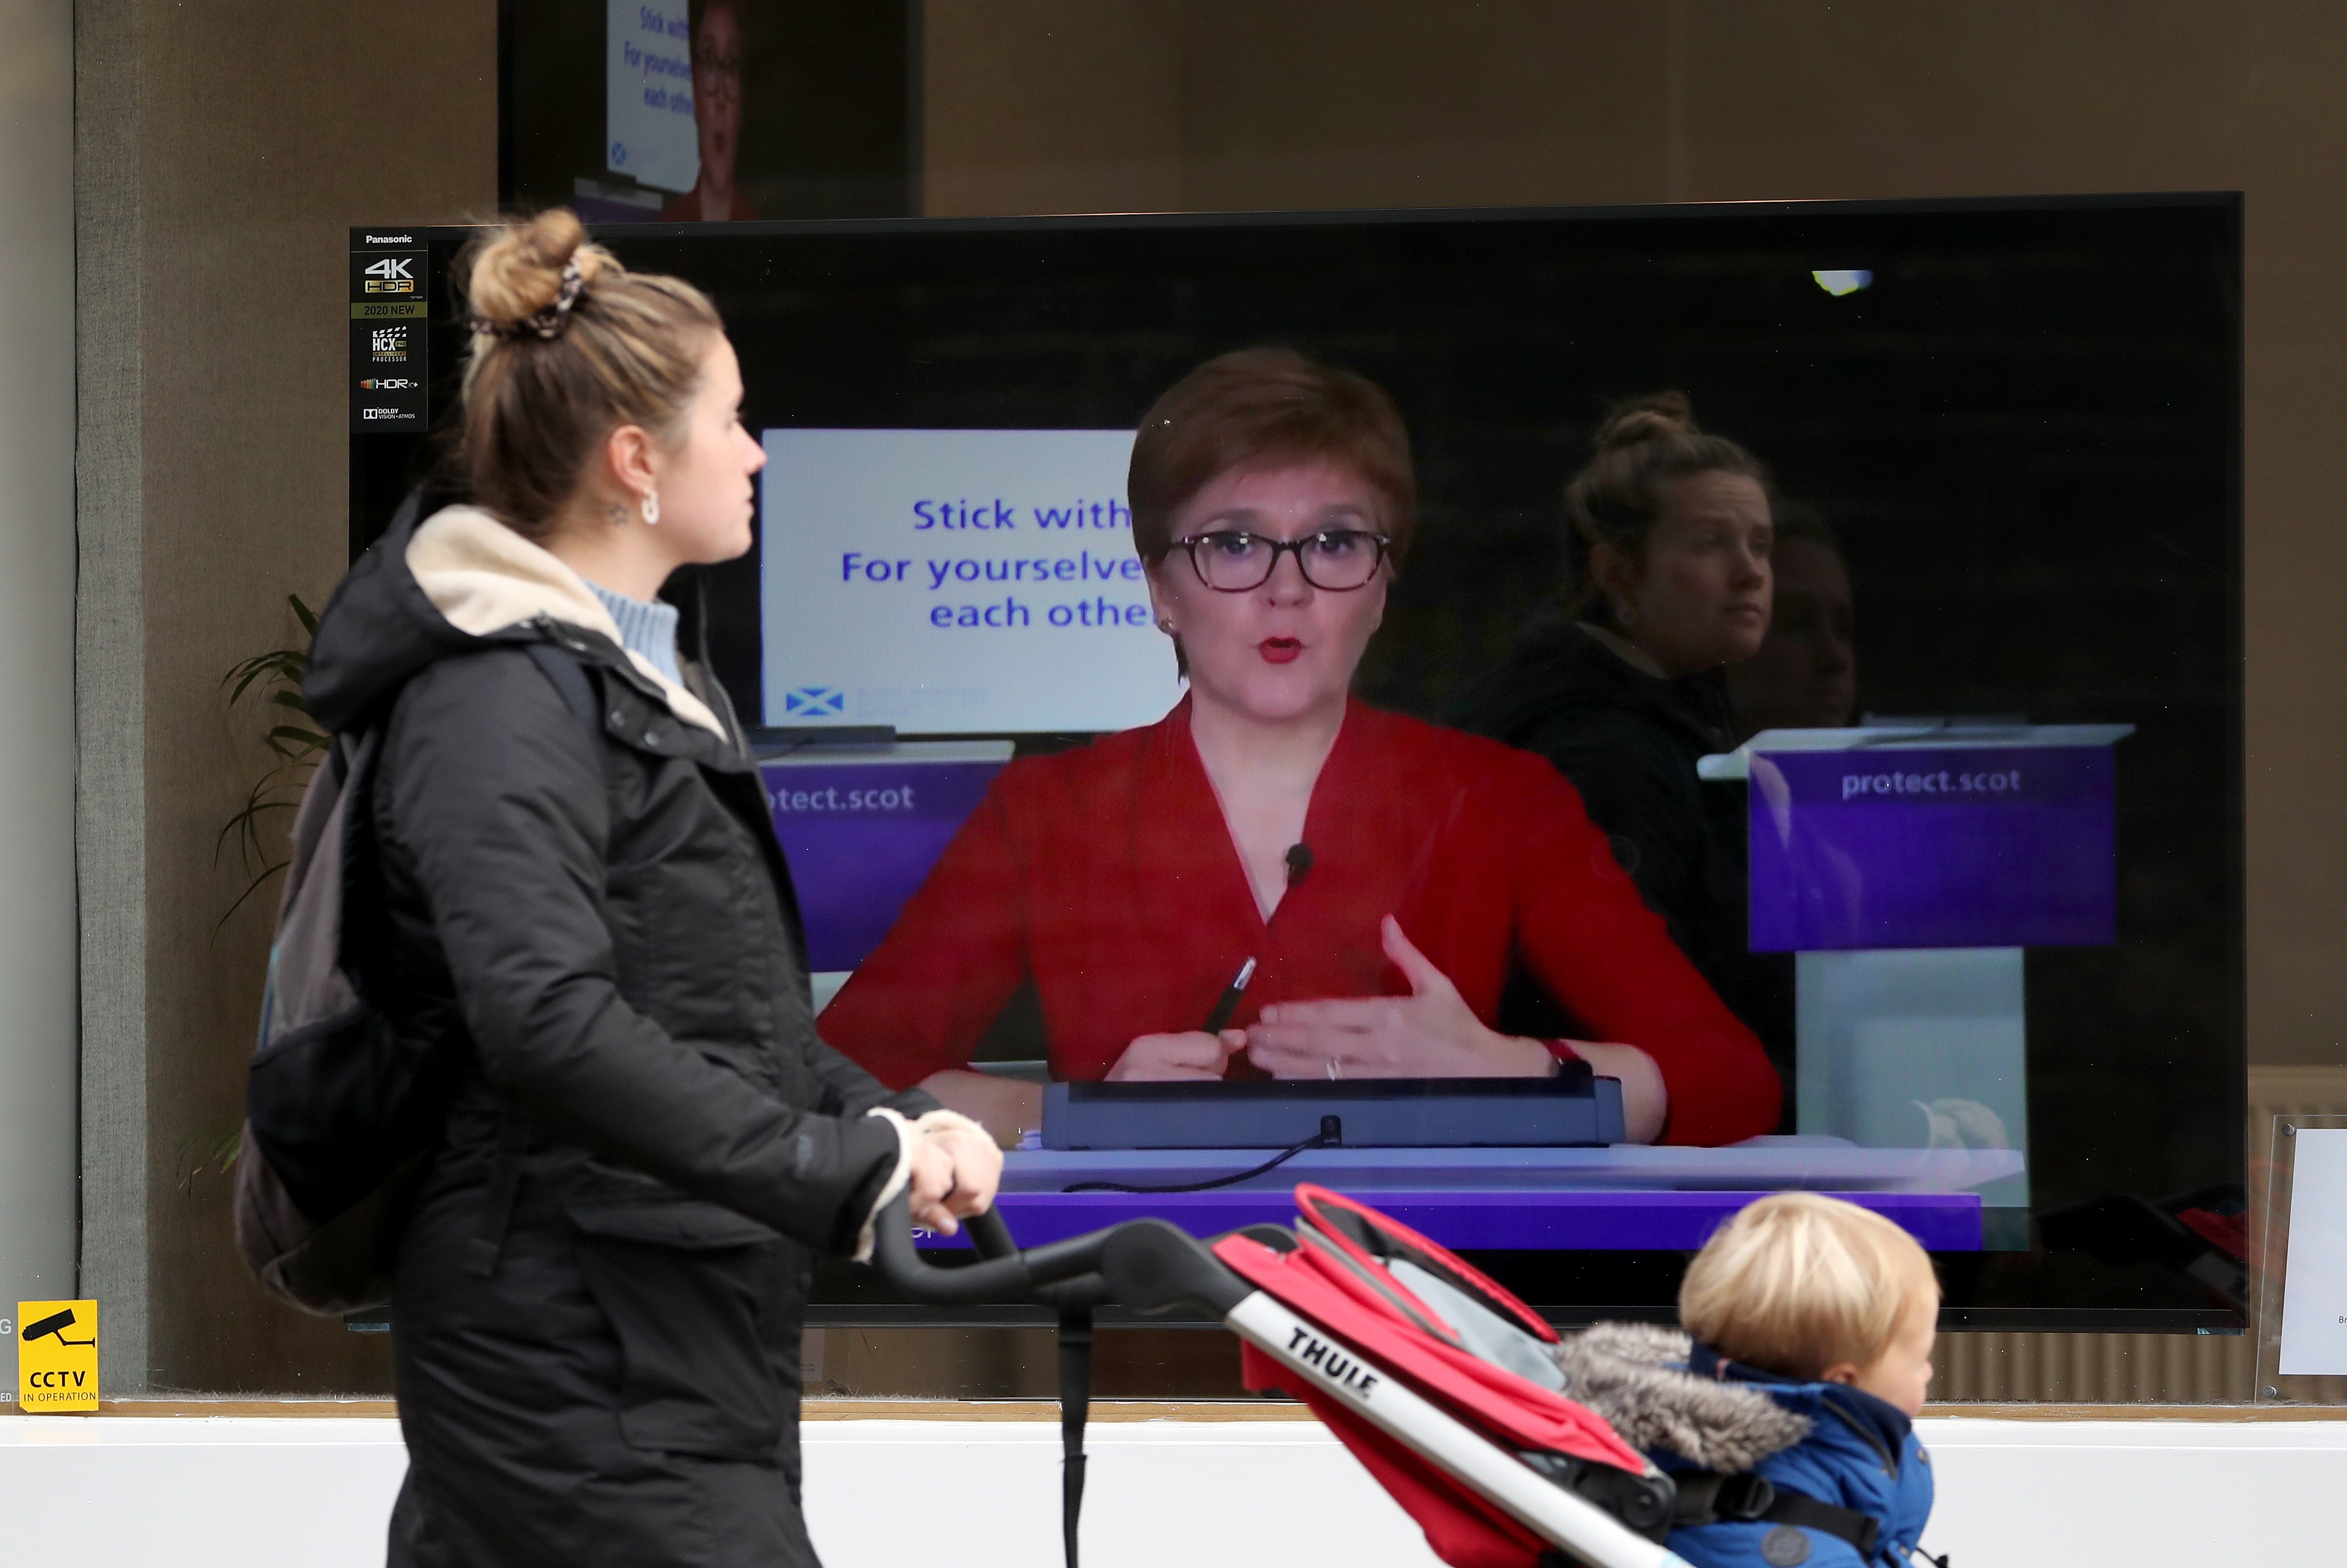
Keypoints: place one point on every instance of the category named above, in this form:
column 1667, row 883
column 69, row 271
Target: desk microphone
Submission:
column 1299, row 864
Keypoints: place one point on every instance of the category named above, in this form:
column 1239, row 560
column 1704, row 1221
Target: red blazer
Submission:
column 1107, row 876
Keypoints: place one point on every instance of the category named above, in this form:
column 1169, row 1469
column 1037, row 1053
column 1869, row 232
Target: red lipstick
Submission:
column 1279, row 650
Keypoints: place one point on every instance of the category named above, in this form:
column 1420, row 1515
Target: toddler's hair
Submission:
column 1798, row 1283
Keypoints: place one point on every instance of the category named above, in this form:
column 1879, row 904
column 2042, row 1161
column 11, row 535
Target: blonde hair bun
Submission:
column 1656, row 416
column 567, row 345
column 517, row 271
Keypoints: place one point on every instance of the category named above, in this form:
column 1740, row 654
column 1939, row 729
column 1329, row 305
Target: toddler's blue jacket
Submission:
column 1691, row 1409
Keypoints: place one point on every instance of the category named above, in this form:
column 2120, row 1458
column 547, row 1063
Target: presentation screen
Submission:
column 1927, row 892
column 956, row 579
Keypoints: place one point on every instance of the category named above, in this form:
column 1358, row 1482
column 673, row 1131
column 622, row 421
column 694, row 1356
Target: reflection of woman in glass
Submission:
column 1621, row 687
column 1804, row 676
column 717, row 40
column 1382, row 873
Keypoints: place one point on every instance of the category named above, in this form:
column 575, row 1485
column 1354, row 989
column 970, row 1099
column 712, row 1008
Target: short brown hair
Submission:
column 1617, row 500
column 1259, row 407
column 1800, row 1281
column 696, row 12
column 546, row 383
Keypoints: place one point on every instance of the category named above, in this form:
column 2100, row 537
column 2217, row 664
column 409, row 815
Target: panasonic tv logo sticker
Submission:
column 1331, row 1363
column 815, row 701
column 389, row 384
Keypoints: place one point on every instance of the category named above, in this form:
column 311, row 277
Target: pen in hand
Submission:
column 1218, row 1019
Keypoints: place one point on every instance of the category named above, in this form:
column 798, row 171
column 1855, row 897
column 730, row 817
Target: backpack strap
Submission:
column 1707, row 1497
column 571, row 680
column 513, row 1128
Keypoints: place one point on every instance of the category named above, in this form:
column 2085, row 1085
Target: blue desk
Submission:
column 1598, row 1199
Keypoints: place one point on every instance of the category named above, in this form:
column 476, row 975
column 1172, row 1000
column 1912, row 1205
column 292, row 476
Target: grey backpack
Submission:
column 342, row 1107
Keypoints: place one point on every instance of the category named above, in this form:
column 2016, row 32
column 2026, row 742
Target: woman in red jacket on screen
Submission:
column 1383, row 874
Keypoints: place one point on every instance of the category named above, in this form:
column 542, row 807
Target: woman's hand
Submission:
column 1196, row 1057
column 956, row 1168
column 1434, row 1033
column 1431, row 1034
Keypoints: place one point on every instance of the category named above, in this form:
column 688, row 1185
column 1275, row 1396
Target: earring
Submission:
column 1165, row 625
column 650, row 509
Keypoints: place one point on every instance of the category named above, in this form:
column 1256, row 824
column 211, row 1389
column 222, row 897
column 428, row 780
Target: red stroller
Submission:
column 1437, row 1378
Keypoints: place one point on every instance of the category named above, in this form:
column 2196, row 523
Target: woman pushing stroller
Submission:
column 583, row 908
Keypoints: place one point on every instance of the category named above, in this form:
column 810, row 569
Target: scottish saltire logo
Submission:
column 815, row 703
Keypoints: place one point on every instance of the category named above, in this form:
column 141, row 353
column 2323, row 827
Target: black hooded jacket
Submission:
column 1629, row 741
column 598, row 924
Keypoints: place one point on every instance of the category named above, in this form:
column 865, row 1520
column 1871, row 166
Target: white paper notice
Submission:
column 2314, row 1287
column 648, row 93
column 957, row 581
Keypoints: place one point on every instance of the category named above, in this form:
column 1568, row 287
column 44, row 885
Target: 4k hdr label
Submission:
column 56, row 1356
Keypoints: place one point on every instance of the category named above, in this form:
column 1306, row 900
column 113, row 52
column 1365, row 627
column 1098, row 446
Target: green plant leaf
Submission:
column 250, row 889
column 246, row 673
column 298, row 748
column 216, row 1143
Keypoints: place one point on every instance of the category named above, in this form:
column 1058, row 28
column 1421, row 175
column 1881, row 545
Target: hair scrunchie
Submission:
column 549, row 322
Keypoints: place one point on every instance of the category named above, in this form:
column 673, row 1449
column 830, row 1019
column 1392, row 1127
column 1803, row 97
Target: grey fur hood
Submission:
column 1634, row 1375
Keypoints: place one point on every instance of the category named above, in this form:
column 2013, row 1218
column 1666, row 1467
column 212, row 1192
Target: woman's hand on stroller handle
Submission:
column 956, row 1169
column 1145, row 1263
column 1003, row 1275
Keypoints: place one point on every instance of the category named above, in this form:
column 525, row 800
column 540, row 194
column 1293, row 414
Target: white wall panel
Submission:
column 127, row 1493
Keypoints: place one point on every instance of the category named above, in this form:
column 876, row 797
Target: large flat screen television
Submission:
column 1985, row 783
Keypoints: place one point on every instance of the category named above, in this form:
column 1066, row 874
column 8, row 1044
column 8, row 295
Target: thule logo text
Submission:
column 1332, row 1363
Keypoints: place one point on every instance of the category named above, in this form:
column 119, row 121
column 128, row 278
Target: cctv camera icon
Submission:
column 55, row 1324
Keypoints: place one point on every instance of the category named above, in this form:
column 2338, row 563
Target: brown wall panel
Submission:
column 1014, row 87
column 265, row 127
column 1320, row 102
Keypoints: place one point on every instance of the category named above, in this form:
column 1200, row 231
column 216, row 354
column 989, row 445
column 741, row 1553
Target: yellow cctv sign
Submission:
column 56, row 1356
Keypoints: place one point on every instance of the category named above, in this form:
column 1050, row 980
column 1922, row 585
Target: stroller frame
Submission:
column 1151, row 1265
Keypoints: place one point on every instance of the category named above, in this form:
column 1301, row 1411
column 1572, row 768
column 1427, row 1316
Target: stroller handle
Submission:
column 1144, row 1264
column 988, row 1234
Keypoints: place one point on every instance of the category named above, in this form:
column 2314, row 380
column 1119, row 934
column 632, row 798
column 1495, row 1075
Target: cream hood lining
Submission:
column 485, row 578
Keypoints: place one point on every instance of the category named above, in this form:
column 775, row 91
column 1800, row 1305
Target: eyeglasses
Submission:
column 1335, row 560
column 718, row 76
